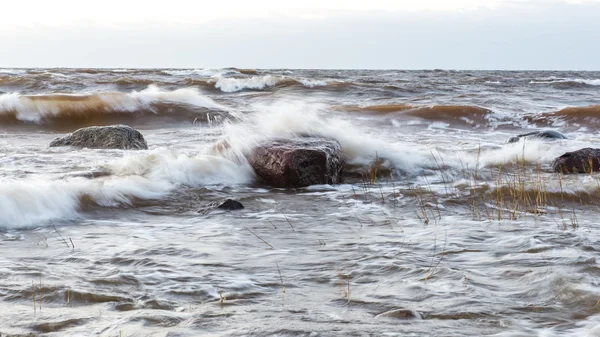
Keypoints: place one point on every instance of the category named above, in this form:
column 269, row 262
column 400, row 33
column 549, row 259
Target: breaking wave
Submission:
column 144, row 175
column 463, row 114
column 585, row 115
column 43, row 108
column 230, row 84
column 566, row 81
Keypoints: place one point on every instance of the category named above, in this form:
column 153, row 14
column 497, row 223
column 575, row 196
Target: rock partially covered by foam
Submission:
column 547, row 134
column 585, row 160
column 298, row 162
column 104, row 137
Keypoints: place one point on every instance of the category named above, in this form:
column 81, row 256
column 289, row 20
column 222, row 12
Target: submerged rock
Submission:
column 231, row 205
column 298, row 162
column 547, row 134
column 88, row 174
column 403, row 314
column 104, row 137
column 581, row 161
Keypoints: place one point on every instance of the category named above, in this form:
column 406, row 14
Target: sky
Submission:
column 338, row 34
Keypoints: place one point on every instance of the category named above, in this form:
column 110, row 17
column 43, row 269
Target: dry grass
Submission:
column 503, row 193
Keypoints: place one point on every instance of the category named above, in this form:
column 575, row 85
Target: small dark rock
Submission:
column 104, row 137
column 547, row 134
column 403, row 314
column 231, row 205
column 298, row 162
column 581, row 161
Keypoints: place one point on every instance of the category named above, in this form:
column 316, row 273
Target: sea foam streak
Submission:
column 200, row 72
column 229, row 84
column 553, row 79
column 37, row 108
column 145, row 175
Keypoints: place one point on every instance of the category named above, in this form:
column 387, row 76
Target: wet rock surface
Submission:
column 298, row 162
column 104, row 137
column 231, row 205
column 581, row 161
column 546, row 135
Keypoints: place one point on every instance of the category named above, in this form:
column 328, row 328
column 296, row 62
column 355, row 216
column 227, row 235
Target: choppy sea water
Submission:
column 439, row 229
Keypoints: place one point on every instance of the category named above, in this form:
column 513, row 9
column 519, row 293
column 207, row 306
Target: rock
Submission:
column 298, row 162
column 231, row 205
column 87, row 174
column 581, row 161
column 104, row 137
column 403, row 314
column 547, row 134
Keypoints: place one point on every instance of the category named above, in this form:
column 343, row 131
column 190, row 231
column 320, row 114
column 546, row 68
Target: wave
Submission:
column 450, row 112
column 247, row 71
column 12, row 71
column 231, row 84
column 592, row 111
column 471, row 115
column 206, row 72
column 566, row 81
column 13, row 80
column 149, row 175
column 227, row 84
column 126, row 80
column 587, row 115
column 286, row 119
column 61, row 107
column 378, row 109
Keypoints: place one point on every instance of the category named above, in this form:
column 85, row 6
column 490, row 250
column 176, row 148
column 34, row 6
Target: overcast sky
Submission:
column 423, row 34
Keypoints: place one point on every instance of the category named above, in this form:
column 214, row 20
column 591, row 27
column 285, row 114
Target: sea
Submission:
column 440, row 228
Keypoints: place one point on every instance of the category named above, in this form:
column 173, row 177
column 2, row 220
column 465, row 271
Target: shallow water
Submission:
column 458, row 233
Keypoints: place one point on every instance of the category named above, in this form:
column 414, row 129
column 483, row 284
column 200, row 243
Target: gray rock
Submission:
column 298, row 162
column 402, row 314
column 104, row 137
column 547, row 134
column 581, row 161
column 231, row 205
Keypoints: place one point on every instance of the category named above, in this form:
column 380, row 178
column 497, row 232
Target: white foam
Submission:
column 200, row 72
column 12, row 71
column 290, row 118
column 530, row 150
column 254, row 82
column 313, row 83
column 143, row 175
column 228, row 84
column 191, row 96
column 29, row 201
column 554, row 79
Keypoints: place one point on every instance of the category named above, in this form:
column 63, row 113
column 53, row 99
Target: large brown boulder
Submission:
column 104, row 137
column 298, row 162
column 581, row 161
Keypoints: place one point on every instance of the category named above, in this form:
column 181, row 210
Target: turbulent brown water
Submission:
column 440, row 228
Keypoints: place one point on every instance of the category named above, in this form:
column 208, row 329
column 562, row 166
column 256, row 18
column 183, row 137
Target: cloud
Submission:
column 520, row 35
